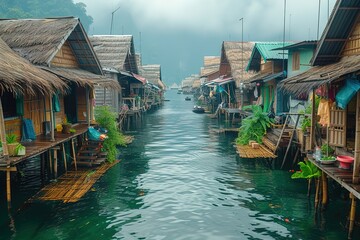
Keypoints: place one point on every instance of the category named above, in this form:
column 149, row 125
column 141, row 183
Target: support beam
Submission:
column 352, row 215
column 313, row 120
column 356, row 170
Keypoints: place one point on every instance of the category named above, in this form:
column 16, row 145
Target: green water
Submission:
column 178, row 180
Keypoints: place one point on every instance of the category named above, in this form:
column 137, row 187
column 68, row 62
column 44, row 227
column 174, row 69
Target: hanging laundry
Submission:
column 324, row 111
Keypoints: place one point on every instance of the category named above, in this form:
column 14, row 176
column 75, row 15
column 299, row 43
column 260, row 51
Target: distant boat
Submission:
column 188, row 99
column 198, row 109
column 179, row 91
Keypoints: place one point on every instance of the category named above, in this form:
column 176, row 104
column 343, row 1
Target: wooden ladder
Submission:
column 292, row 132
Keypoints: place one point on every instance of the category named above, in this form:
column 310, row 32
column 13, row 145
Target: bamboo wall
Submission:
column 65, row 57
column 352, row 46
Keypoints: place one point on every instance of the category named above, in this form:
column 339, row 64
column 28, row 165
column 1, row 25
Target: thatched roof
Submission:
column 17, row 75
column 38, row 40
column 83, row 78
column 152, row 73
column 211, row 64
column 317, row 76
column 116, row 52
column 196, row 83
column 232, row 53
column 188, row 81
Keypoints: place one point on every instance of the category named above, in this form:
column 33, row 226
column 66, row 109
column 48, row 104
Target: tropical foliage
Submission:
column 308, row 170
column 254, row 126
column 43, row 9
column 107, row 119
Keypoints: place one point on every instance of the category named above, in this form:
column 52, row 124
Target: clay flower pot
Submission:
column 345, row 161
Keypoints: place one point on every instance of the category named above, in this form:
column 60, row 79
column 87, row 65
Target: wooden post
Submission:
column 324, row 201
column 50, row 163
column 74, row 153
column 64, row 156
column 352, row 215
column 88, row 106
column 55, row 162
column 6, row 156
column 317, row 193
column 313, row 121
column 357, row 142
column 52, row 123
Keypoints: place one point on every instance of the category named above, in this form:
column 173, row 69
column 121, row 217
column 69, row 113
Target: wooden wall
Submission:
column 266, row 67
column 65, row 57
column 352, row 46
column 81, row 98
column 13, row 126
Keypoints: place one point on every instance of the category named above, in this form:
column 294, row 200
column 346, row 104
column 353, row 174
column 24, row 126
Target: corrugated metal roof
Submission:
column 265, row 50
column 336, row 32
column 309, row 43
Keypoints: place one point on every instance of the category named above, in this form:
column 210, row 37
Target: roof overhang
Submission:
column 319, row 75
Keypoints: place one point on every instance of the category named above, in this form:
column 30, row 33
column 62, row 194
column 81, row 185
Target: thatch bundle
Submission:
column 17, row 75
column 233, row 53
column 319, row 75
column 152, row 73
column 83, row 78
column 211, row 64
column 113, row 51
column 36, row 39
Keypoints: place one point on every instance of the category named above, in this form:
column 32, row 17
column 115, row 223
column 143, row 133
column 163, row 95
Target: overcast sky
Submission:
column 178, row 33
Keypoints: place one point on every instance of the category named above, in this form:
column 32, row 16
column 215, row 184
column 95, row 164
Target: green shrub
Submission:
column 107, row 119
column 254, row 126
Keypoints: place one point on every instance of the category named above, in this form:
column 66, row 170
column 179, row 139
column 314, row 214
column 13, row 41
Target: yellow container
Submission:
column 59, row 127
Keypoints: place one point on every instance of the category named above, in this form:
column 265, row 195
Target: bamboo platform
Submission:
column 246, row 151
column 73, row 185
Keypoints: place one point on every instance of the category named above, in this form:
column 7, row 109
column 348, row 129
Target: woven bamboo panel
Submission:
column 73, row 185
column 246, row 151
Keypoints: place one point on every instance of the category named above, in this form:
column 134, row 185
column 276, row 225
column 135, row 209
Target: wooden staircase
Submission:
column 90, row 154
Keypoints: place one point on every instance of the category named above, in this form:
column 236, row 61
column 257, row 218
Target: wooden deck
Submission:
column 246, row 151
column 44, row 143
column 342, row 176
column 73, row 185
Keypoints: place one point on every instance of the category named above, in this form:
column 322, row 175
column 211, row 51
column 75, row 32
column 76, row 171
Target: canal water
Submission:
column 179, row 179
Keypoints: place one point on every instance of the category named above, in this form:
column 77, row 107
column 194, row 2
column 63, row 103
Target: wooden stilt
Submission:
column 352, row 215
column 317, row 192
column 8, row 188
column 73, row 152
column 64, row 156
column 50, row 163
column 309, row 187
column 55, row 162
column 324, row 201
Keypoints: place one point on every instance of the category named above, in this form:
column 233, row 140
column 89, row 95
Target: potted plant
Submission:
column 11, row 140
column 305, row 124
column 326, row 150
column 66, row 126
column 20, row 150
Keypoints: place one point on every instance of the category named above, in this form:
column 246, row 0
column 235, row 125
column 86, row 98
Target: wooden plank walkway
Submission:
column 73, row 185
column 246, row 151
column 341, row 176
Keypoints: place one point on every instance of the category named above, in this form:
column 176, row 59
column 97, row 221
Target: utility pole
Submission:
column 242, row 64
column 112, row 20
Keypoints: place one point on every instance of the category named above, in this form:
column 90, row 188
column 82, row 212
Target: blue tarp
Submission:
column 93, row 134
column 28, row 133
column 346, row 93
